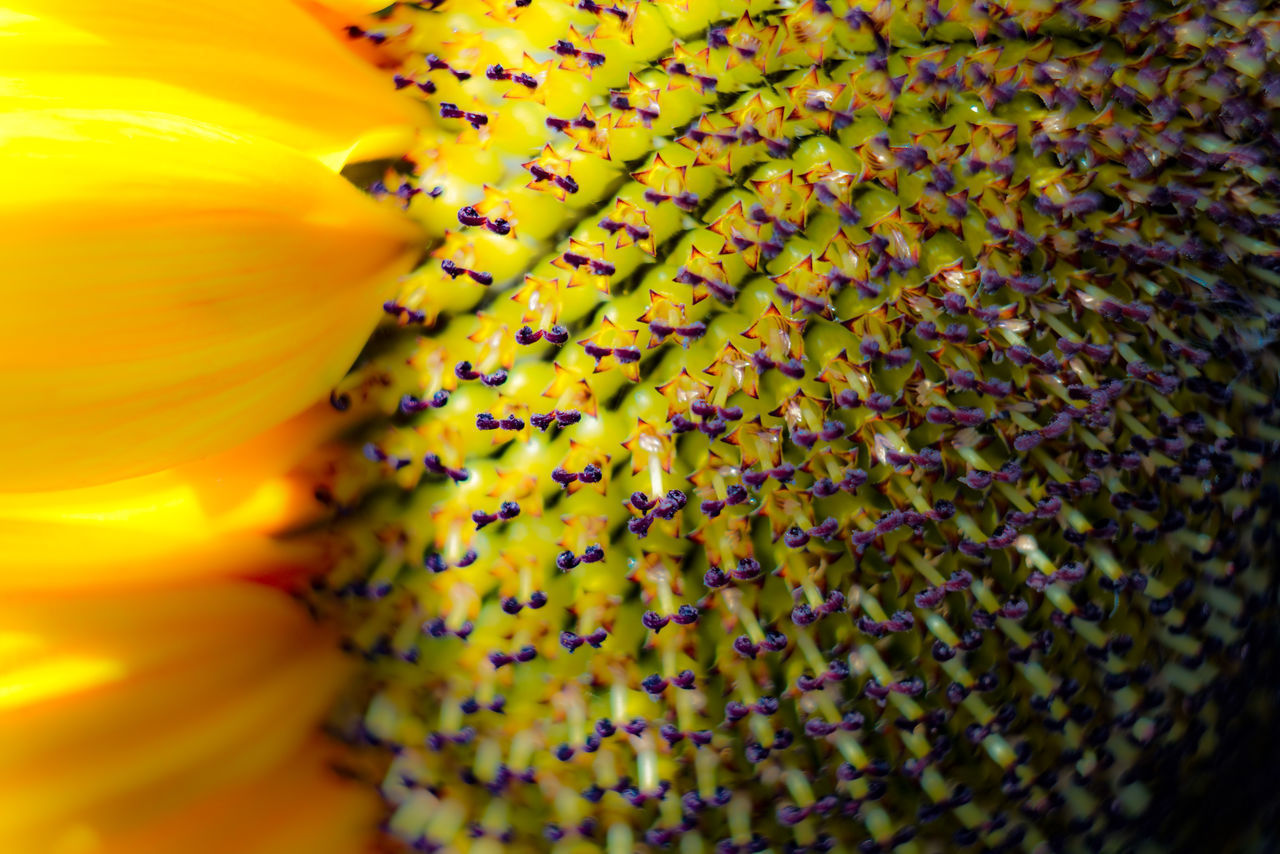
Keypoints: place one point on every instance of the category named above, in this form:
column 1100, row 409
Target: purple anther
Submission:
column 566, row 560
column 744, row 647
column 831, row 430
column 715, row 578
column 825, row 531
column 653, row 621
column 596, row 351
column 793, row 368
column 593, row 554
column 815, row 728
column 712, row 428
column 806, row 683
column 795, row 537
column 654, row 684
column 774, row 641
column 685, row 615
column 803, row 615
column 879, row 402
column 930, row 597
column 470, row 216
column 804, row 438
column 640, row 525
column 898, row 357
column 1025, row 442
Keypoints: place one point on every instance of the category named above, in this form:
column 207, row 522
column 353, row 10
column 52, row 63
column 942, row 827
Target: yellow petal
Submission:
column 170, row 290
column 350, row 9
column 120, row 711
column 301, row 806
column 337, row 17
column 224, row 515
column 263, row 68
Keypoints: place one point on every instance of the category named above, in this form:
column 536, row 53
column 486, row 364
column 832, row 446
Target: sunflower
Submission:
column 815, row 425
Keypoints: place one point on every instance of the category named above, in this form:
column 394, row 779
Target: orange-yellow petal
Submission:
column 120, row 710
column 170, row 290
column 263, row 67
column 349, row 8
column 338, row 17
column 301, row 806
column 225, row 515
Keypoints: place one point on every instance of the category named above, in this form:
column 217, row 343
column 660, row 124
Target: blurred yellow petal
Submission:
column 119, row 712
column 170, row 290
column 351, row 8
column 223, row 515
column 301, row 806
column 337, row 17
column 264, row 68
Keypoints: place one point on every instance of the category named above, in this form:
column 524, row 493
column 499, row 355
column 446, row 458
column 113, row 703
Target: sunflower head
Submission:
column 830, row 427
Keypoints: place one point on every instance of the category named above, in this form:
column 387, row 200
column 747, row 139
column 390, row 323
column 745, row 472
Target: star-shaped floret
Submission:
column 734, row 371
column 664, row 316
column 781, row 337
column 706, row 275
column 541, row 299
column 713, row 141
column 587, row 264
column 529, row 81
column 640, row 102
column 807, row 29
column 758, row 445
column 687, row 68
column 629, row 224
column 681, row 391
column 550, row 173
column 603, row 344
column 804, row 287
column 813, row 98
column 748, row 42
column 570, row 391
column 649, row 445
